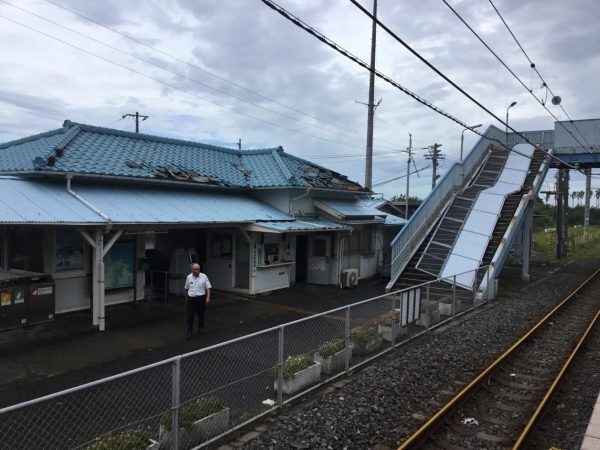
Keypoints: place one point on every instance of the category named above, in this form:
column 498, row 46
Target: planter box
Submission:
column 434, row 317
column 198, row 432
column 446, row 309
column 386, row 332
column 335, row 363
column 309, row 376
column 368, row 346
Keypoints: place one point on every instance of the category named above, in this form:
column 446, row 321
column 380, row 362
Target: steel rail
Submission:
column 422, row 433
column 536, row 415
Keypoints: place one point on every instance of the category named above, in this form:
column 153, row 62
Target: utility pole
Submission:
column 409, row 151
column 434, row 155
column 371, row 113
column 137, row 116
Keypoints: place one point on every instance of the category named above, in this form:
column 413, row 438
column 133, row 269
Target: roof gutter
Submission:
column 293, row 199
column 88, row 204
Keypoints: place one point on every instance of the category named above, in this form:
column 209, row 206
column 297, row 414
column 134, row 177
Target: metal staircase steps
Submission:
column 427, row 262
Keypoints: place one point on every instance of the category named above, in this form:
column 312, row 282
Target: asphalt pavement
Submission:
column 46, row 358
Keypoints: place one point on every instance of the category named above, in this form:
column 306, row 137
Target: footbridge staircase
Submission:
column 462, row 233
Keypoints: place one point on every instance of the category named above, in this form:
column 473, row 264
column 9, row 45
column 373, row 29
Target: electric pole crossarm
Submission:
column 137, row 117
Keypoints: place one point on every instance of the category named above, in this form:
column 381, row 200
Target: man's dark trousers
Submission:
column 195, row 306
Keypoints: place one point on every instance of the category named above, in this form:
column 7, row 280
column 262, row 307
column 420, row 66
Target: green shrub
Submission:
column 331, row 348
column 192, row 412
column 295, row 364
column 364, row 334
column 125, row 440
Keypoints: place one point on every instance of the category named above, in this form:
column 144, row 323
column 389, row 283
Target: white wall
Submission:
column 281, row 198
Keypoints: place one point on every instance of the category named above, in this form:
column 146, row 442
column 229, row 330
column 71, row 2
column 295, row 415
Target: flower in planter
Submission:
column 125, row 440
column 295, row 364
column 192, row 412
column 330, row 348
column 364, row 334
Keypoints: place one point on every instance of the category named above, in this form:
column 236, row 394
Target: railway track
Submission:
column 500, row 407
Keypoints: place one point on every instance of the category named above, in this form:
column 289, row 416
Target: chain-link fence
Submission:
column 208, row 392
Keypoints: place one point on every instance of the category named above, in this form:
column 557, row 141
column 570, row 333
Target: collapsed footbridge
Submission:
column 463, row 232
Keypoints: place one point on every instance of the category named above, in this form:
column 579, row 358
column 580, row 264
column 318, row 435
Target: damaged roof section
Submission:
column 95, row 151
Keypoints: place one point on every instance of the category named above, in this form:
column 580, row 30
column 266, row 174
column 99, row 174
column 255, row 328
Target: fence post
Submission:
column 347, row 339
column 393, row 324
column 487, row 293
column 427, row 307
column 454, row 309
column 175, row 400
column 280, row 368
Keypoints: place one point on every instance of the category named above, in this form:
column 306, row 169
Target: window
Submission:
column 320, row 247
column 271, row 253
column 26, row 250
column 366, row 240
column 69, row 251
column 361, row 241
column 221, row 246
column 354, row 242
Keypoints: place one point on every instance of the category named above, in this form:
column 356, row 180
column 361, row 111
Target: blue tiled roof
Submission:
column 95, row 151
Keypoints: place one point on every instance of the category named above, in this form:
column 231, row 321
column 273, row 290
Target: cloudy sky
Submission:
column 221, row 70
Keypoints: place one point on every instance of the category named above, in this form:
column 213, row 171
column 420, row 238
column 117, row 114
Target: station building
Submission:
column 91, row 217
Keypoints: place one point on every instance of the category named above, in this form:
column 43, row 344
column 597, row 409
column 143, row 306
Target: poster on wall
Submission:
column 5, row 299
column 118, row 266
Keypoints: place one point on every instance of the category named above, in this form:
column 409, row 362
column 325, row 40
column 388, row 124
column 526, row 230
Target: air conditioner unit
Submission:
column 349, row 277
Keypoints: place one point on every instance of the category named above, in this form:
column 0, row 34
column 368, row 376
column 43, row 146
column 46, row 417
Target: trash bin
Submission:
column 40, row 301
column 25, row 299
column 13, row 309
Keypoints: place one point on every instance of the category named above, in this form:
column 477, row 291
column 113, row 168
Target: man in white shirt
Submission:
column 197, row 290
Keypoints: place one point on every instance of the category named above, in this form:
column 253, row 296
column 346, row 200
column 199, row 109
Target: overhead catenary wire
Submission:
column 298, row 22
column 172, row 86
column 534, row 67
column 381, row 183
column 212, row 74
column 176, row 73
column 514, row 74
column 466, row 94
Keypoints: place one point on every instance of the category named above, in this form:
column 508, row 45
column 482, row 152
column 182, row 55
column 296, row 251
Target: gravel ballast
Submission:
column 381, row 405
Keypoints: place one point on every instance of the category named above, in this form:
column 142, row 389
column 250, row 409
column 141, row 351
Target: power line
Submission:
column 172, row 86
column 512, row 73
column 212, row 74
column 179, row 74
column 298, row 22
column 381, row 183
column 544, row 84
column 462, row 91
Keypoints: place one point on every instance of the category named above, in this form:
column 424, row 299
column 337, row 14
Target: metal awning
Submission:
column 309, row 224
column 25, row 201
column 357, row 211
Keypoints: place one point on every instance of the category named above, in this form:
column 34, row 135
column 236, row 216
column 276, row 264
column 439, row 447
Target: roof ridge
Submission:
column 133, row 135
column 34, row 137
column 282, row 166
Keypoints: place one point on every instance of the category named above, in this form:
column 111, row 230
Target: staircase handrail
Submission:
column 428, row 213
column 501, row 254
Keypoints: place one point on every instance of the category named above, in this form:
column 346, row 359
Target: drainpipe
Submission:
column 292, row 200
column 88, row 204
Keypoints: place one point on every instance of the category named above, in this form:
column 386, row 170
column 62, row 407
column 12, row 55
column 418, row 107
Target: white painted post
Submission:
column 101, row 292
column 96, row 276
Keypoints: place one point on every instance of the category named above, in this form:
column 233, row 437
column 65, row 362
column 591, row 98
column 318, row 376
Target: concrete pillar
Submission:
column 526, row 232
column 586, row 215
column 98, row 281
column 562, row 207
